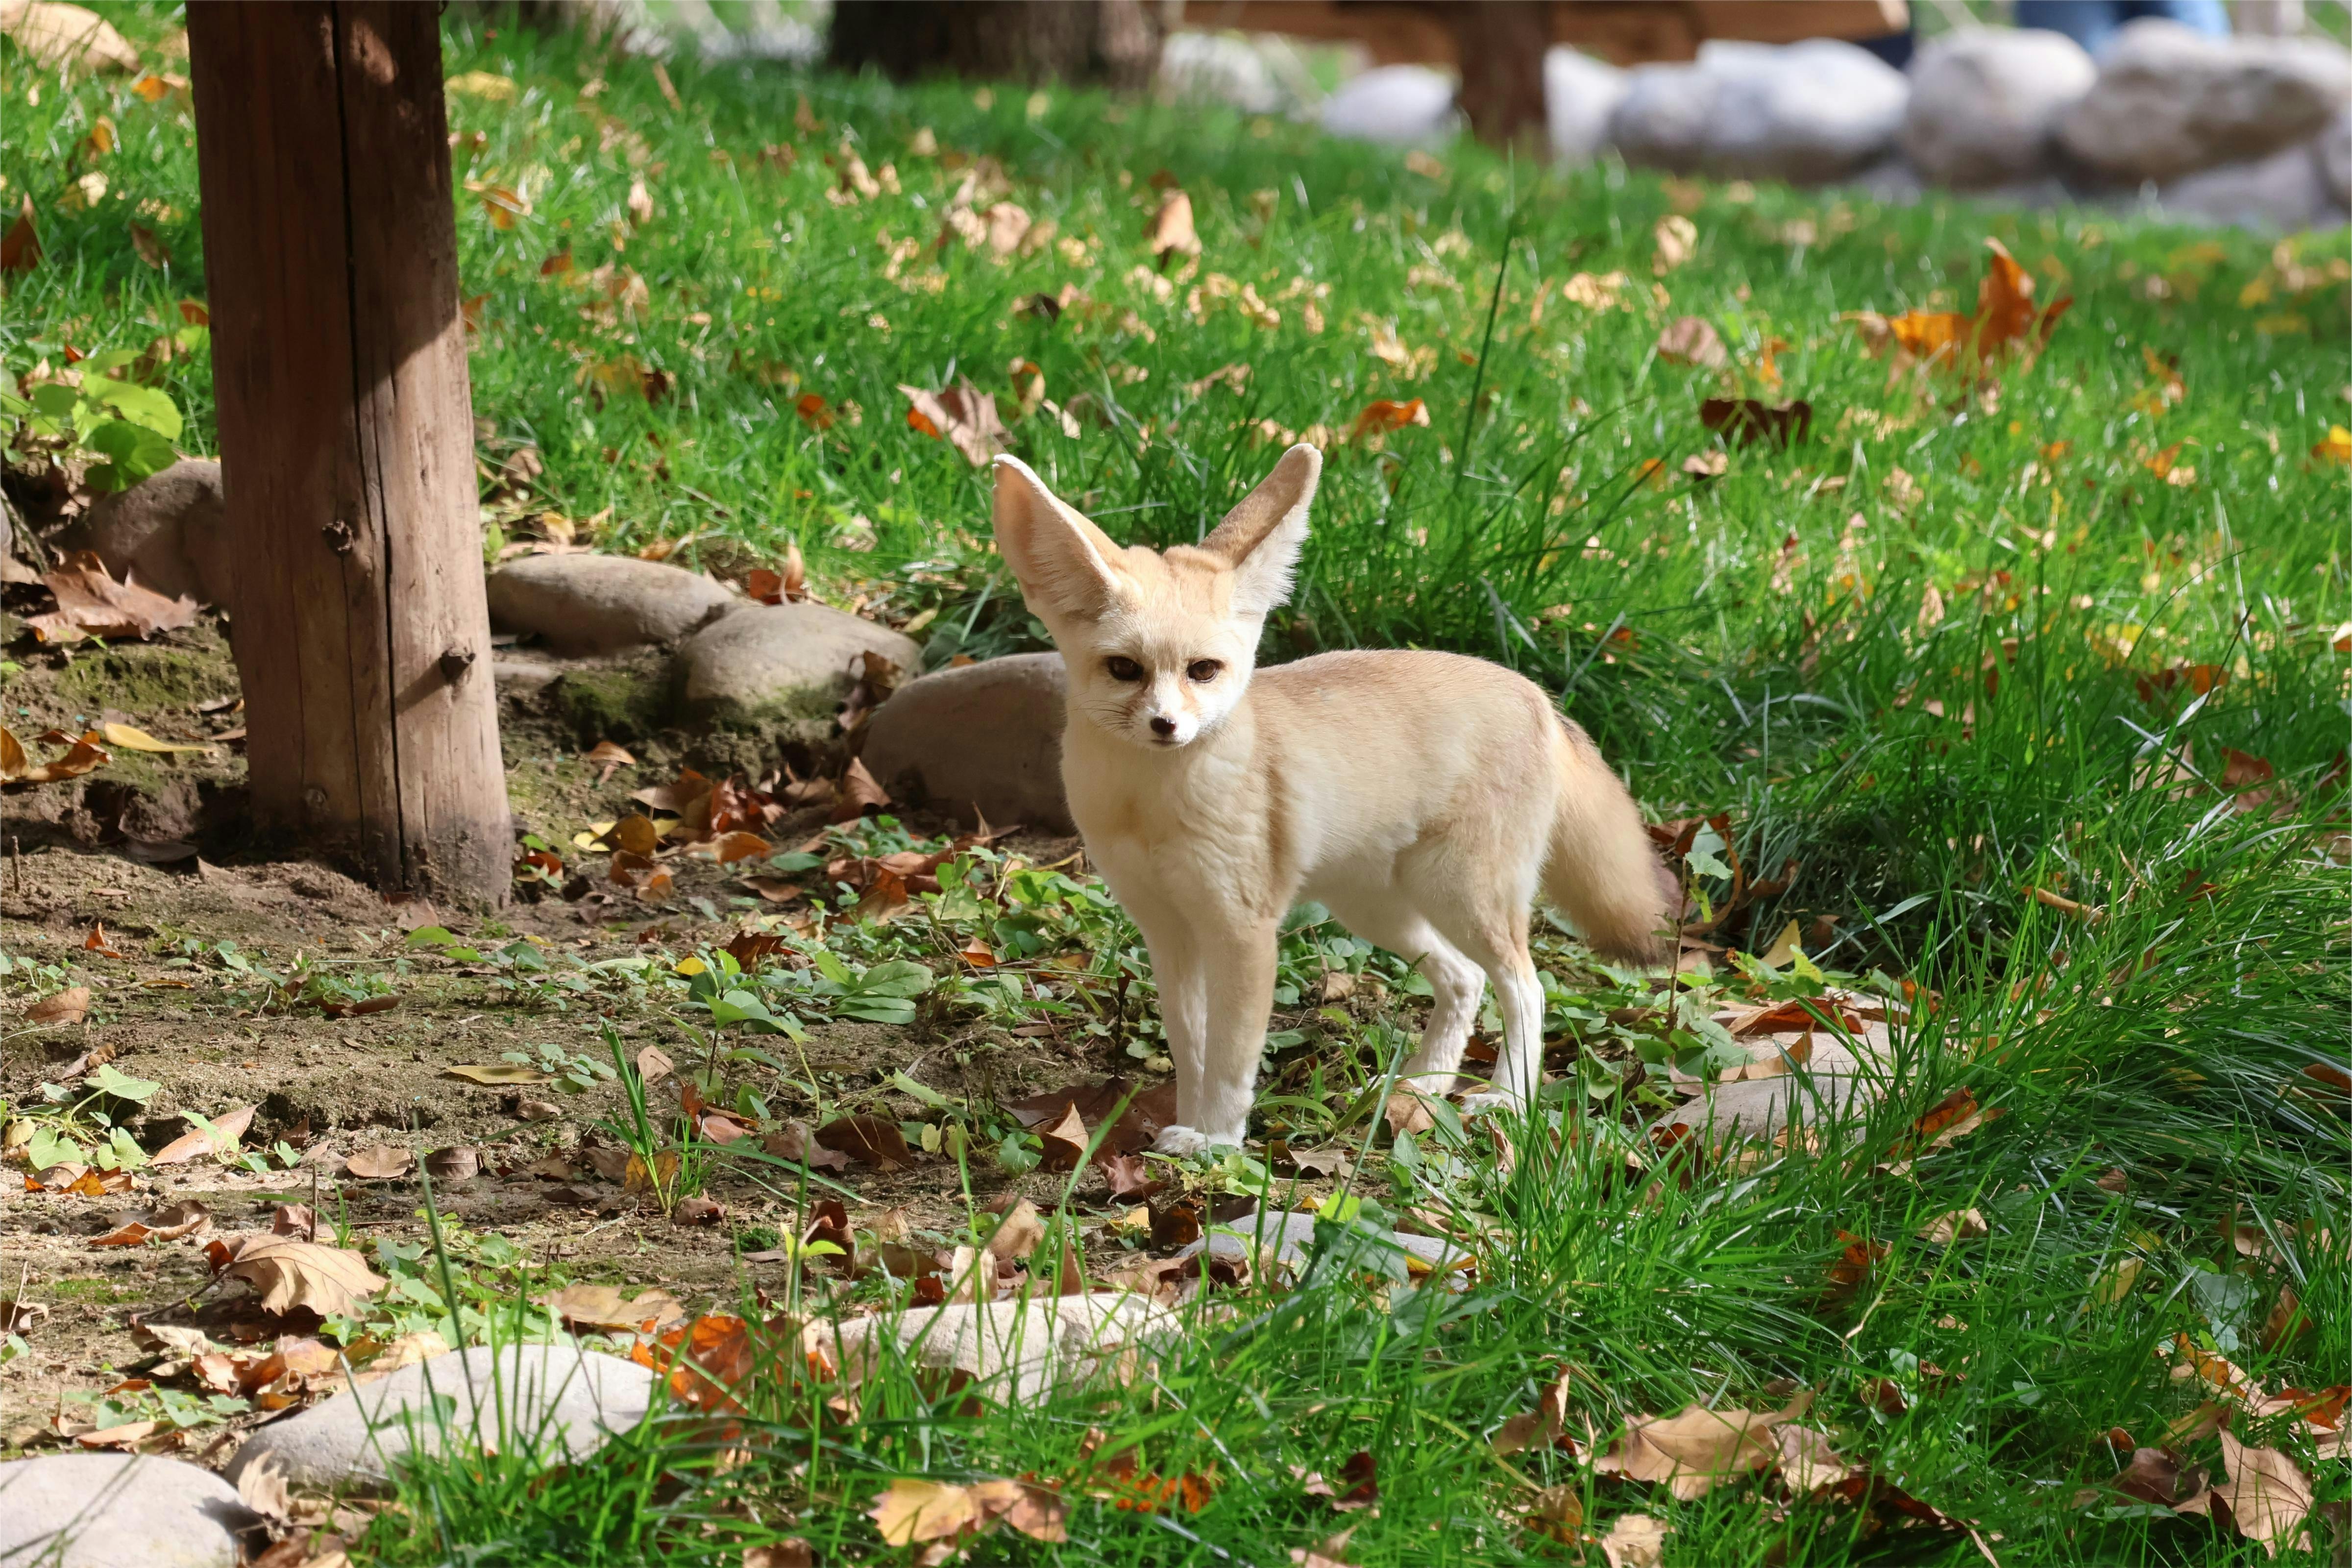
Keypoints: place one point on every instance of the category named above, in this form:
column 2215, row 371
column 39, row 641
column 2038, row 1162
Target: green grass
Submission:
column 1773, row 663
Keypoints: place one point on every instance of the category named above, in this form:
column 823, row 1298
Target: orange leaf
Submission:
column 1381, row 415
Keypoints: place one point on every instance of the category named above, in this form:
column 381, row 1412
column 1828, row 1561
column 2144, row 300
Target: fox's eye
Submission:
column 1205, row 670
column 1123, row 668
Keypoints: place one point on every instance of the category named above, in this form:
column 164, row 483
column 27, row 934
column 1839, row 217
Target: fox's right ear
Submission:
column 1061, row 560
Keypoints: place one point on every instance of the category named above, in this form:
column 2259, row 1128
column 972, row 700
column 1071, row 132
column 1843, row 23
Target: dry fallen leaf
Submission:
column 1692, row 340
column 54, row 34
column 2268, row 1496
column 132, row 739
column 92, row 603
column 2004, row 319
column 962, row 415
column 1693, row 1451
column 1635, row 1540
column 495, row 1073
column 913, row 1511
column 1676, row 239
column 1808, row 1462
column 1170, row 231
column 606, row 756
column 187, row 1218
column 1961, row 1225
column 867, row 1138
column 380, row 1163
column 20, row 247
column 1381, row 415
column 70, row 1005
column 82, row 756
column 287, row 1273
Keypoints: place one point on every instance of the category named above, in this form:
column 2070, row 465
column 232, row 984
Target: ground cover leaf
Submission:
column 870, row 1140
column 1635, row 1540
column 1695, row 1450
column 187, row 1218
column 91, row 603
column 70, row 1005
column 491, row 1073
column 380, row 1163
column 963, row 416
column 2267, row 1494
column 1136, row 1129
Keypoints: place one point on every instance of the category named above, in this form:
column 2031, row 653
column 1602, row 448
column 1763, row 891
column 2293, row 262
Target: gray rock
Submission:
column 1986, row 101
column 602, row 603
column 111, row 1511
column 1802, row 113
column 170, row 528
column 1759, row 1108
column 1291, row 1238
column 2169, row 100
column 1409, row 106
column 558, row 1399
column 780, row 667
column 524, row 674
column 1579, row 95
column 987, row 735
column 2334, row 149
column 1029, row 1343
column 1218, row 68
column 2283, row 192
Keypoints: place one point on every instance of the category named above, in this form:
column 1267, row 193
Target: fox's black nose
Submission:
column 1162, row 726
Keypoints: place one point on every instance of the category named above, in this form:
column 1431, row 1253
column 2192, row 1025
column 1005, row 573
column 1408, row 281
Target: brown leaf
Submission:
column 1745, row 420
column 20, row 247
column 606, row 757
column 870, row 1140
column 1034, row 1511
column 1357, row 1486
column 858, row 793
column 2268, row 1496
column 380, row 1163
column 289, row 1274
column 184, row 1218
column 1018, row 1235
column 1676, row 239
column 1408, row 1112
column 962, row 415
column 1694, row 1450
column 1692, row 340
column 82, row 756
column 794, row 1142
column 1959, row 1225
column 1127, row 1177
column 675, row 798
column 457, row 1164
column 697, row 1210
column 1383, row 415
column 70, row 1005
column 913, row 1511
column 1064, row 1141
column 1169, row 230
column 1635, row 1540
column 1137, row 1127
column 1808, row 1462
column 92, row 603
column 2160, row 1477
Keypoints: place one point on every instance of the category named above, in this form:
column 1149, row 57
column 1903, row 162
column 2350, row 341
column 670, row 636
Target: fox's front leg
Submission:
column 1234, row 964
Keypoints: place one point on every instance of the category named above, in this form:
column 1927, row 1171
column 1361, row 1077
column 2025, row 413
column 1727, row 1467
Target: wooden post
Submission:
column 1501, row 45
column 346, row 429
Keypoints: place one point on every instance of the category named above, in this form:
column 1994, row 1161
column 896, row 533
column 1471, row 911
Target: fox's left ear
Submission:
column 1260, row 539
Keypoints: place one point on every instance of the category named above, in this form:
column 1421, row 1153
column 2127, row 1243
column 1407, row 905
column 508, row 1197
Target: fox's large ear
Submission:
column 1061, row 560
column 1260, row 539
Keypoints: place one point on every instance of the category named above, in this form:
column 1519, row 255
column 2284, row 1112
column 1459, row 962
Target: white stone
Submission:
column 118, row 1511
column 782, row 667
column 1410, row 106
column 587, row 604
column 170, row 531
column 1986, row 101
column 558, row 1400
column 2334, row 149
column 2283, row 192
column 985, row 735
column 1218, row 68
column 1802, row 113
column 2169, row 100
column 1579, row 94
column 1291, row 1238
column 1029, row 1344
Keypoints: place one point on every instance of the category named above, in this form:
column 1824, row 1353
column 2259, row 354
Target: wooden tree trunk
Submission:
column 1110, row 43
column 1501, row 45
column 346, row 429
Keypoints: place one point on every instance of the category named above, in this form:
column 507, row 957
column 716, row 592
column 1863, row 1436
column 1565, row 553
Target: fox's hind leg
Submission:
column 1488, row 926
column 1456, row 983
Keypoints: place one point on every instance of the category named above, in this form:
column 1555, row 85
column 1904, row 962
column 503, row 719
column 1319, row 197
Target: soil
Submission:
column 141, row 878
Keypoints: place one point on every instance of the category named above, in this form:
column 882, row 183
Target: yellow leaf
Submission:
column 486, row 85
column 2336, row 448
column 136, row 740
column 691, row 966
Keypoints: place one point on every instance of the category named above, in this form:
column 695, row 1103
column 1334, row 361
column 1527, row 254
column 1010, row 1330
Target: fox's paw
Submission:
column 1184, row 1142
column 1486, row 1102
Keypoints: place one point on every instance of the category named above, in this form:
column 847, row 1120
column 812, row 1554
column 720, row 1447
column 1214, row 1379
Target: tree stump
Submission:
column 347, row 450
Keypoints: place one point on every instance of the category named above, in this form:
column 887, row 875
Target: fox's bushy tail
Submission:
column 1600, row 869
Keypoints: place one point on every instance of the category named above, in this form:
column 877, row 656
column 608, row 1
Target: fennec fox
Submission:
column 1420, row 796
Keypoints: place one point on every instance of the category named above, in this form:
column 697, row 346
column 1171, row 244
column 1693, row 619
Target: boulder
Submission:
column 1803, row 112
column 557, row 1400
column 1409, row 106
column 2335, row 150
column 1579, row 94
column 170, row 529
column 1028, row 1345
column 783, row 666
column 2169, row 100
column 1986, row 101
column 2283, row 192
column 1218, row 68
column 108, row 1510
column 984, row 737
column 592, row 605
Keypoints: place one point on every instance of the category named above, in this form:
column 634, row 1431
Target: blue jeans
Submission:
column 2091, row 23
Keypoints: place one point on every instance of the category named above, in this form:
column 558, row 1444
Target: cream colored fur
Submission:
column 1421, row 797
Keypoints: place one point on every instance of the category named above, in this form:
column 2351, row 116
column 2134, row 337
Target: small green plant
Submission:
column 128, row 426
column 85, row 1130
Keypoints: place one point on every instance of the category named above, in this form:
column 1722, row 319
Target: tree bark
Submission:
column 358, row 615
column 1501, row 45
column 1109, row 43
